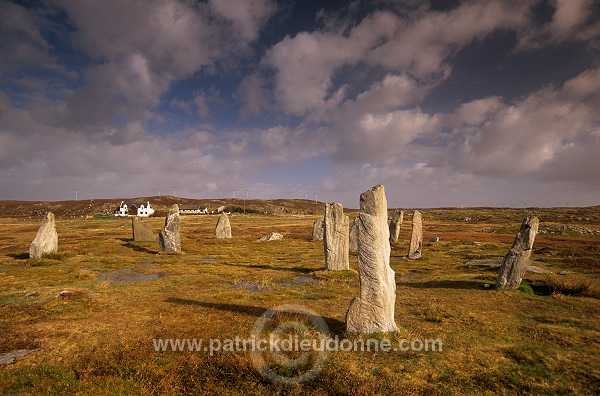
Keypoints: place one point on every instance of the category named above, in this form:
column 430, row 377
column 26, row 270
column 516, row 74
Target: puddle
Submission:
column 127, row 275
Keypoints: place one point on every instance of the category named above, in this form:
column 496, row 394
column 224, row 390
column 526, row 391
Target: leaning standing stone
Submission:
column 168, row 238
column 416, row 237
column 395, row 225
column 317, row 233
column 223, row 228
column 373, row 311
column 335, row 238
column 515, row 262
column 46, row 239
column 142, row 232
column 353, row 244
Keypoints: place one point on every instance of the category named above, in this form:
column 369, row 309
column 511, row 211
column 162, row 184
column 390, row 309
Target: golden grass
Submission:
column 98, row 340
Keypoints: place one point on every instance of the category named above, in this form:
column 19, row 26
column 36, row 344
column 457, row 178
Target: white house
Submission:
column 134, row 209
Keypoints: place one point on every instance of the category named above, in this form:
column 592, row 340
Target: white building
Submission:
column 134, row 209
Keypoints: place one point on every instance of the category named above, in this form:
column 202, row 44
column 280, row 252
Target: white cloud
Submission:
column 249, row 15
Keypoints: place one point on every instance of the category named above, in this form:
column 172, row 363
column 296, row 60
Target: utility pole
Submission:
column 316, row 197
column 233, row 194
column 76, row 195
column 91, row 197
column 159, row 193
column 306, row 195
column 173, row 191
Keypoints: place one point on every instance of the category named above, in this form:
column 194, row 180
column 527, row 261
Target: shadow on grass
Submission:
column 444, row 284
column 138, row 248
column 335, row 326
column 19, row 256
column 270, row 267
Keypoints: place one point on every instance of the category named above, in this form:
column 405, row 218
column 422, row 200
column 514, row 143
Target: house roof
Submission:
column 189, row 207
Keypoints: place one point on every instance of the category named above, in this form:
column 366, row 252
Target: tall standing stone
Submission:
column 168, row 238
column 142, row 232
column 416, row 237
column 317, row 232
column 46, row 239
column 223, row 228
column 373, row 311
column 353, row 243
column 395, row 225
column 335, row 237
column 515, row 262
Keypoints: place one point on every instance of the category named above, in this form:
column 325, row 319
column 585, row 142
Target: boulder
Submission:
column 373, row 310
column 223, row 227
column 142, row 232
column 317, row 233
column 168, row 238
column 335, row 238
column 416, row 237
column 46, row 239
column 353, row 237
column 515, row 262
column 395, row 225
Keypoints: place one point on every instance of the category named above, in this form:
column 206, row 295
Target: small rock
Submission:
column 487, row 285
column 9, row 357
column 31, row 293
column 562, row 272
column 434, row 239
column 273, row 236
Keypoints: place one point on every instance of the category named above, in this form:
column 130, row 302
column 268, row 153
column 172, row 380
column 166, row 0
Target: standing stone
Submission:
column 395, row 225
column 46, row 239
column 317, row 233
column 142, row 232
column 373, row 311
column 223, row 228
column 168, row 238
column 515, row 262
column 416, row 237
column 353, row 244
column 335, row 237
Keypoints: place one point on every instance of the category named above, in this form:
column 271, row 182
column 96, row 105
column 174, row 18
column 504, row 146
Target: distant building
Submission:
column 134, row 209
column 192, row 210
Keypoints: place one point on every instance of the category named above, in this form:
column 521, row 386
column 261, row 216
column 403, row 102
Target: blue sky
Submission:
column 490, row 102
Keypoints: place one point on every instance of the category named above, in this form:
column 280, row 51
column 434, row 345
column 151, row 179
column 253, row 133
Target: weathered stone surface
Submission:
column 353, row 238
column 335, row 237
column 142, row 232
column 9, row 357
column 515, row 262
column 498, row 263
column 46, row 239
column 273, row 236
column 373, row 311
column 317, row 233
column 416, row 237
column 223, row 227
column 168, row 238
column 395, row 225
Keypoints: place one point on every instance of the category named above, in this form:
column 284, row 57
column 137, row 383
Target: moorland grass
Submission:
column 98, row 340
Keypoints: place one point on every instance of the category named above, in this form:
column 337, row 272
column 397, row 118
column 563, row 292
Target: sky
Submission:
column 446, row 103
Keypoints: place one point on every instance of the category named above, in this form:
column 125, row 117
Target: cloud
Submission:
column 248, row 16
column 572, row 20
column 147, row 46
column 23, row 45
column 553, row 128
